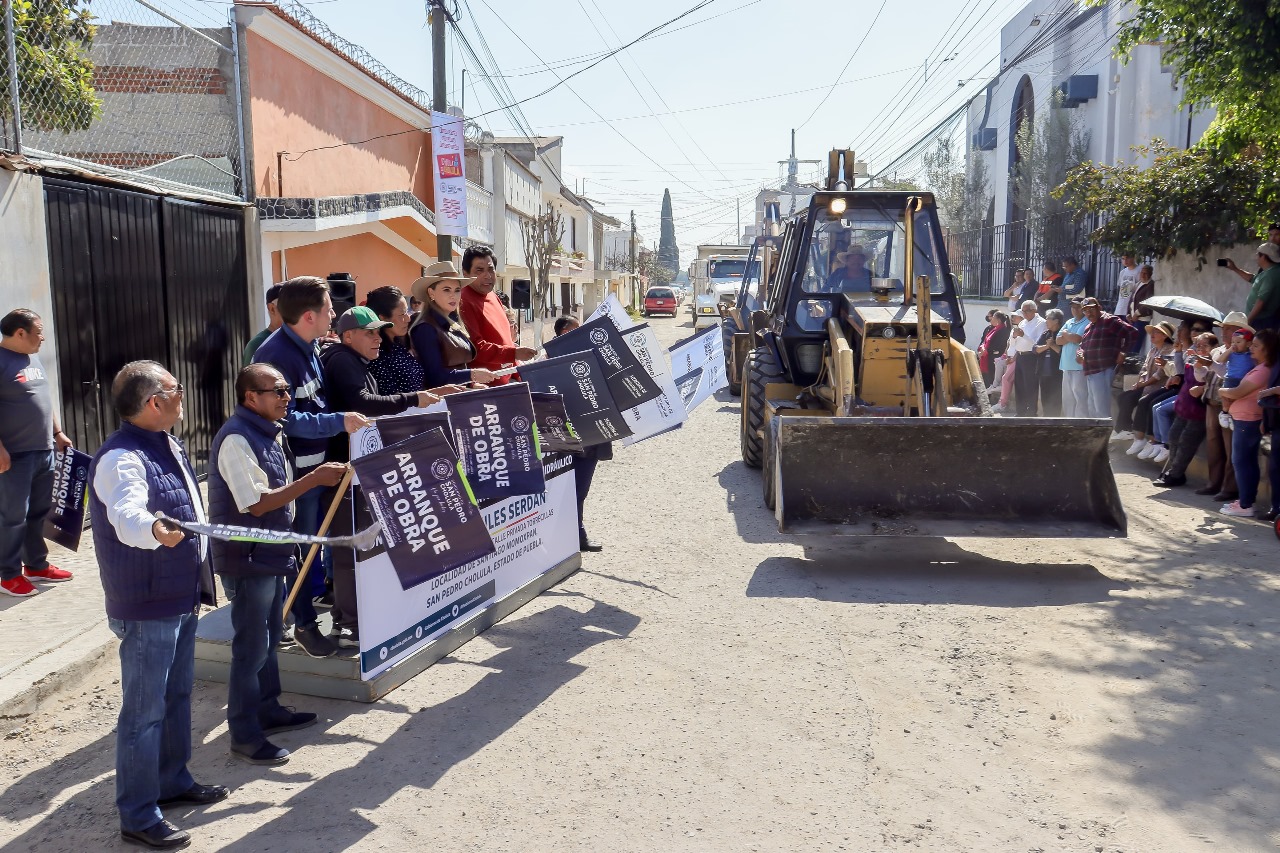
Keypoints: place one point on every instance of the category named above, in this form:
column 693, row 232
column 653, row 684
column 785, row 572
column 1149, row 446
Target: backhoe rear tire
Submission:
column 760, row 368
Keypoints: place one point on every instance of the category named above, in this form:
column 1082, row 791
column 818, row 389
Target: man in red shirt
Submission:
column 485, row 317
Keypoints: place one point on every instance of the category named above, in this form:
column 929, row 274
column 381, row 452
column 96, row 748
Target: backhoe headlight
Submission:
column 838, row 206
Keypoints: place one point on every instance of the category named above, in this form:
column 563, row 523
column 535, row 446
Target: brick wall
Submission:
column 138, row 80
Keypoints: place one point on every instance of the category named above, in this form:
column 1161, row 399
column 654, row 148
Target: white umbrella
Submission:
column 1183, row 307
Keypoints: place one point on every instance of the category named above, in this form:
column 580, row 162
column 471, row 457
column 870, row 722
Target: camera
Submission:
column 1222, row 262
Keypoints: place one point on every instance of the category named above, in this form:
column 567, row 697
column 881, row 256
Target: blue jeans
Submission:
column 253, row 684
column 153, row 736
column 26, row 494
column 1246, row 436
column 1099, row 385
column 1162, row 415
column 306, row 520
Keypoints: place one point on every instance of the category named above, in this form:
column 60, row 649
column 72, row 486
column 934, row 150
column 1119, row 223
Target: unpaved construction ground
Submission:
column 707, row 683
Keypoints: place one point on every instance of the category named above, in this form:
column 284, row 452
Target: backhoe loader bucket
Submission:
column 943, row 476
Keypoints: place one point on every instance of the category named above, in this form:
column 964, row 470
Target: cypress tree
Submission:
column 668, row 251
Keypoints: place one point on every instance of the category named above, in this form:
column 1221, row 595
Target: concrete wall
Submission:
column 373, row 262
column 1221, row 288
column 24, row 260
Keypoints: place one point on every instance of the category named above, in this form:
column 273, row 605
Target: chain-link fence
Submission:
column 128, row 86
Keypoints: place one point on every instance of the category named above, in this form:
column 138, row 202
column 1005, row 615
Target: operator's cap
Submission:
column 361, row 317
column 1077, row 300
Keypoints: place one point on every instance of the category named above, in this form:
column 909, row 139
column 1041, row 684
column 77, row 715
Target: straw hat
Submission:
column 434, row 274
column 1165, row 327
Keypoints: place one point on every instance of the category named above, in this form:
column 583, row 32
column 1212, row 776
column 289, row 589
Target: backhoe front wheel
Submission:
column 760, row 368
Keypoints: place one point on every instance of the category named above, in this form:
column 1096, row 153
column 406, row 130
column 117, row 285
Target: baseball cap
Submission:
column 361, row 317
column 1089, row 302
column 273, row 292
column 1271, row 250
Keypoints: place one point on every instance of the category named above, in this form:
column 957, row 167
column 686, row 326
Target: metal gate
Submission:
column 139, row 276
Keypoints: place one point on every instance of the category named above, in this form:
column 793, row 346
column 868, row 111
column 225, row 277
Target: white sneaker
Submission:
column 1236, row 510
column 1139, row 445
column 1160, row 457
column 1149, row 451
column 1122, row 435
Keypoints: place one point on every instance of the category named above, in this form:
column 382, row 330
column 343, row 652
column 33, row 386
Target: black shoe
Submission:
column 288, row 720
column 1269, row 515
column 1207, row 490
column 198, row 795
column 314, row 643
column 268, row 753
column 346, row 638
column 1170, row 481
column 162, row 836
column 585, row 544
column 1226, row 497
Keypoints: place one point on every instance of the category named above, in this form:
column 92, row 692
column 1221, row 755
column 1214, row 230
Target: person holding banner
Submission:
column 486, row 317
column 584, row 463
column 250, row 485
column 155, row 577
column 29, row 432
column 438, row 337
column 307, row 311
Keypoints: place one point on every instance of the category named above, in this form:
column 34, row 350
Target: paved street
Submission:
column 707, row 683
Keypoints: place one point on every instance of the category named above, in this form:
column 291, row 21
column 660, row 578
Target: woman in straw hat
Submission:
column 438, row 338
column 1133, row 407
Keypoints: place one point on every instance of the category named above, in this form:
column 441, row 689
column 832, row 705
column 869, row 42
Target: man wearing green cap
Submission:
column 352, row 388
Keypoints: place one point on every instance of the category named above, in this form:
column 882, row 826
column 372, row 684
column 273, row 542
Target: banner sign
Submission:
column 365, row 540
column 613, row 309
column 395, row 429
column 532, row 534
column 665, row 412
column 555, row 430
column 496, row 440
column 430, row 522
column 65, row 521
column 447, row 163
column 628, row 381
column 703, row 352
column 580, row 380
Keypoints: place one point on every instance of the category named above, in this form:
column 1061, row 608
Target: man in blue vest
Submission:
column 250, row 485
column 155, row 577
column 306, row 309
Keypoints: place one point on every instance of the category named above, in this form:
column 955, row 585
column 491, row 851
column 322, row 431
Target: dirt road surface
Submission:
column 706, row 683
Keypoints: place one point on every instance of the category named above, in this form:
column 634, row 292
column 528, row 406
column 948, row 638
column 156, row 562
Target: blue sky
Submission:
column 727, row 84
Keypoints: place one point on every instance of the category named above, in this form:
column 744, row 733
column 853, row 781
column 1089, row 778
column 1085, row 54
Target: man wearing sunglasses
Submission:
column 251, row 484
column 155, row 577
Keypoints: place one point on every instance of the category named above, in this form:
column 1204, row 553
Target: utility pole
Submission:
column 633, row 259
column 439, row 96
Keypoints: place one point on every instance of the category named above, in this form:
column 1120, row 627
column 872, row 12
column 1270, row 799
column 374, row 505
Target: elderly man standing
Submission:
column 1102, row 348
column 28, row 434
column 485, row 318
column 307, row 312
column 155, row 577
column 251, row 485
column 1075, row 393
column 1026, row 379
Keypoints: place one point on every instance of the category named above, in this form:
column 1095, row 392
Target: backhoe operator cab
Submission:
column 735, row 315
column 853, row 269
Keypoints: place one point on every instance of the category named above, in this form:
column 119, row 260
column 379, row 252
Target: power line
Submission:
column 883, row 3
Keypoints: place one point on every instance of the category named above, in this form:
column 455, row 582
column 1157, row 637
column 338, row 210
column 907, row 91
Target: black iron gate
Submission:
column 139, row 276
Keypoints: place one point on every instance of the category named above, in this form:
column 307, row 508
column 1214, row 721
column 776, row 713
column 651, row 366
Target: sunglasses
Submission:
column 168, row 392
column 279, row 392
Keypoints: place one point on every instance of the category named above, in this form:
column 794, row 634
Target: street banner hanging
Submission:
column 430, row 523
column 555, row 430
column 493, row 430
column 580, row 379
column 628, row 381
column 703, row 352
column 65, row 521
column 365, row 540
column 447, row 161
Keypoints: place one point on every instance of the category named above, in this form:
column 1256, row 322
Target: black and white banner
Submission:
column 493, row 430
column 365, row 540
column 704, row 354
column 580, row 380
column 395, row 429
column 663, row 413
column 65, row 521
column 628, row 381
column 555, row 431
column 430, row 522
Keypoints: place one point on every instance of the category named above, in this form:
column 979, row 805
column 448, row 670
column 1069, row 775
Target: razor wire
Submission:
column 134, row 89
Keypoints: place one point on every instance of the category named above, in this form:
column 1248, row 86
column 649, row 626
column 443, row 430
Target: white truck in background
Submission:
column 715, row 276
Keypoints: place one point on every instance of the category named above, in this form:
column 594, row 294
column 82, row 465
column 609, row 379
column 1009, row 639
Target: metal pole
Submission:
column 11, row 48
column 632, row 296
column 439, row 98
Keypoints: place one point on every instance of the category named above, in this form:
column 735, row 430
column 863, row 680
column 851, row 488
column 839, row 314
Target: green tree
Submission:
column 668, row 251
column 961, row 188
column 1048, row 149
column 55, row 76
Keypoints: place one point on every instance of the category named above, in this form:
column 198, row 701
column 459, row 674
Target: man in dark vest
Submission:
column 306, row 309
column 251, row 485
column 155, row 577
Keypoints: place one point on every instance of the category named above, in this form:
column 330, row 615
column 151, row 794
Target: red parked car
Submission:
column 660, row 300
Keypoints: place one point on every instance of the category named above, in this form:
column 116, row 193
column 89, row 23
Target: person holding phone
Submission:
column 1262, row 305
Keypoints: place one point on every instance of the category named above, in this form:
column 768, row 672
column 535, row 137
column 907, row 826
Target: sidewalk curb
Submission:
column 25, row 687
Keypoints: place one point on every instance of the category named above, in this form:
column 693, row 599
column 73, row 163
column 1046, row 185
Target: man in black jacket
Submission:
column 352, row 388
